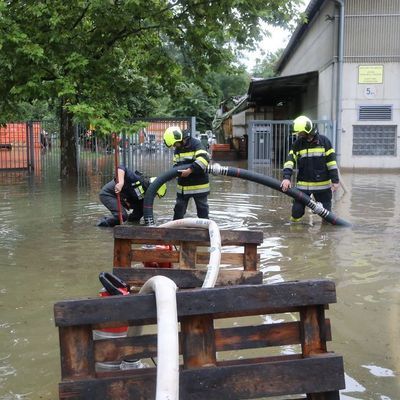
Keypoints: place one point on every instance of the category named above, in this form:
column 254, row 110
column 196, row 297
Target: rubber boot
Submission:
column 108, row 222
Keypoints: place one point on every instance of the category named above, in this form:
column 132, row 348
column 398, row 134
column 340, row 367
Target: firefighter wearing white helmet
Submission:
column 315, row 159
column 193, row 181
column 131, row 187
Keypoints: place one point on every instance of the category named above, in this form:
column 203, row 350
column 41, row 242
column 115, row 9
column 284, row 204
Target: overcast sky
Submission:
column 279, row 38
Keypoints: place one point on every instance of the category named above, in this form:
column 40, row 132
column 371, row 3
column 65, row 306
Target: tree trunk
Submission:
column 68, row 159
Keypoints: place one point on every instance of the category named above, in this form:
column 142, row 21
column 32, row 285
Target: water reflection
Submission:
column 50, row 249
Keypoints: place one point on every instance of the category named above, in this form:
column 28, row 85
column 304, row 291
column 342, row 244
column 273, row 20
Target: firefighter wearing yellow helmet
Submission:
column 131, row 186
column 193, row 181
column 315, row 159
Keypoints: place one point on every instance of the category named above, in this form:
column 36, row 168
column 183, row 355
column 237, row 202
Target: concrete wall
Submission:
column 240, row 120
column 354, row 95
column 316, row 49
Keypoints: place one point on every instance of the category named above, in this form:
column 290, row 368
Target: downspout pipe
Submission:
column 339, row 80
column 217, row 169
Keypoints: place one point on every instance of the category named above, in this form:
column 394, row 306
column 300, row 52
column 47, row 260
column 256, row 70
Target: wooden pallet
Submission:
column 207, row 331
column 189, row 257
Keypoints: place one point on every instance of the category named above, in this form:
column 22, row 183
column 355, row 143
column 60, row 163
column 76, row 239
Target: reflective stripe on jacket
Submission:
column 193, row 153
column 316, row 163
column 135, row 185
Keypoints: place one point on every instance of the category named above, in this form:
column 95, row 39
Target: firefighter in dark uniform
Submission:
column 132, row 187
column 316, row 163
column 193, row 180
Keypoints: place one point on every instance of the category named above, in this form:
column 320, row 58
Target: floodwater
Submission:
column 51, row 250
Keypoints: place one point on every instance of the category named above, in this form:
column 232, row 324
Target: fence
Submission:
column 270, row 142
column 20, row 145
column 36, row 146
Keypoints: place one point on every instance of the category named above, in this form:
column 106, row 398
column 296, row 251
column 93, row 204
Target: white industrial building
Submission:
column 342, row 65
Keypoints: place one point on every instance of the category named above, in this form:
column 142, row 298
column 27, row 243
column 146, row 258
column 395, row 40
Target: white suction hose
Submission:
column 167, row 336
column 167, row 316
column 215, row 244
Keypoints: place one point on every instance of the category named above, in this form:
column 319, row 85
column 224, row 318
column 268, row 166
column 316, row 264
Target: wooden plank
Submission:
column 143, row 346
column 244, row 381
column 198, row 341
column 122, row 253
column 188, row 278
column 154, row 255
column 313, row 330
column 143, row 234
column 76, row 348
column 250, row 257
column 226, row 339
column 238, row 338
column 202, row 258
column 134, row 386
column 227, row 300
column 269, row 379
column 226, row 258
column 335, row 395
column 187, row 256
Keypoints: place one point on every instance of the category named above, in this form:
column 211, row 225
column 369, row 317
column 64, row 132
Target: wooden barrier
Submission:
column 223, row 356
column 189, row 256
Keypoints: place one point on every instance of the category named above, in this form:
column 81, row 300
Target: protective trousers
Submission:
column 322, row 196
column 109, row 199
column 182, row 203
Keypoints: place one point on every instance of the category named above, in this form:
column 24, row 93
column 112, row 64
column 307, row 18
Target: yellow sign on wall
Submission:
column 370, row 74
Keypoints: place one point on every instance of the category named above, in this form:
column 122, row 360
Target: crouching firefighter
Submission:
column 315, row 158
column 192, row 181
column 132, row 187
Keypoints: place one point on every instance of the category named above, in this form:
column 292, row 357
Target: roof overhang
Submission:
column 271, row 92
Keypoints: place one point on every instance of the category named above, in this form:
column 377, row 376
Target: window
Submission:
column 374, row 140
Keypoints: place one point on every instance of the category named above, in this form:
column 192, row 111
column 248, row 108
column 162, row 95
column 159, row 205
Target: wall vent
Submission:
column 375, row 113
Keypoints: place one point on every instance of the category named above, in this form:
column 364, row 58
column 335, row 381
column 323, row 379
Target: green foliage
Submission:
column 108, row 61
column 265, row 67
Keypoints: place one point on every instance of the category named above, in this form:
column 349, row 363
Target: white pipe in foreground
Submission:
column 215, row 244
column 167, row 336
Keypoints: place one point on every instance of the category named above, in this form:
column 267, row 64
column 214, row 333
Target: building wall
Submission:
column 357, row 94
column 316, row 49
column 371, row 38
column 326, row 93
column 372, row 31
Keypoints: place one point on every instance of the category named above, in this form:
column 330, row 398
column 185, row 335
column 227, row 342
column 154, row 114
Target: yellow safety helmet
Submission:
column 172, row 135
column 302, row 124
column 162, row 190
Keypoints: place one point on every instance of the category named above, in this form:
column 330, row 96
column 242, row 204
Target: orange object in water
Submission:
column 154, row 264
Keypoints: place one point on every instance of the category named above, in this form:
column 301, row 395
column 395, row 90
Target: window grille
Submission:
column 374, row 140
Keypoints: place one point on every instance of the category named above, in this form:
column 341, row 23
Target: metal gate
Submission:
column 270, row 142
column 35, row 145
column 19, row 145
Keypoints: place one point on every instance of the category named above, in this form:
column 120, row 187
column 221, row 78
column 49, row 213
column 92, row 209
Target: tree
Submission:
column 265, row 67
column 104, row 62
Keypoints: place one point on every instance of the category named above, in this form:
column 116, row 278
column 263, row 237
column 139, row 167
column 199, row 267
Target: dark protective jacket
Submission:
column 193, row 153
column 316, row 164
column 134, row 189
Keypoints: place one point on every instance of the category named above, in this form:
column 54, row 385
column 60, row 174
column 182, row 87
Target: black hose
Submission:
column 217, row 169
column 152, row 191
